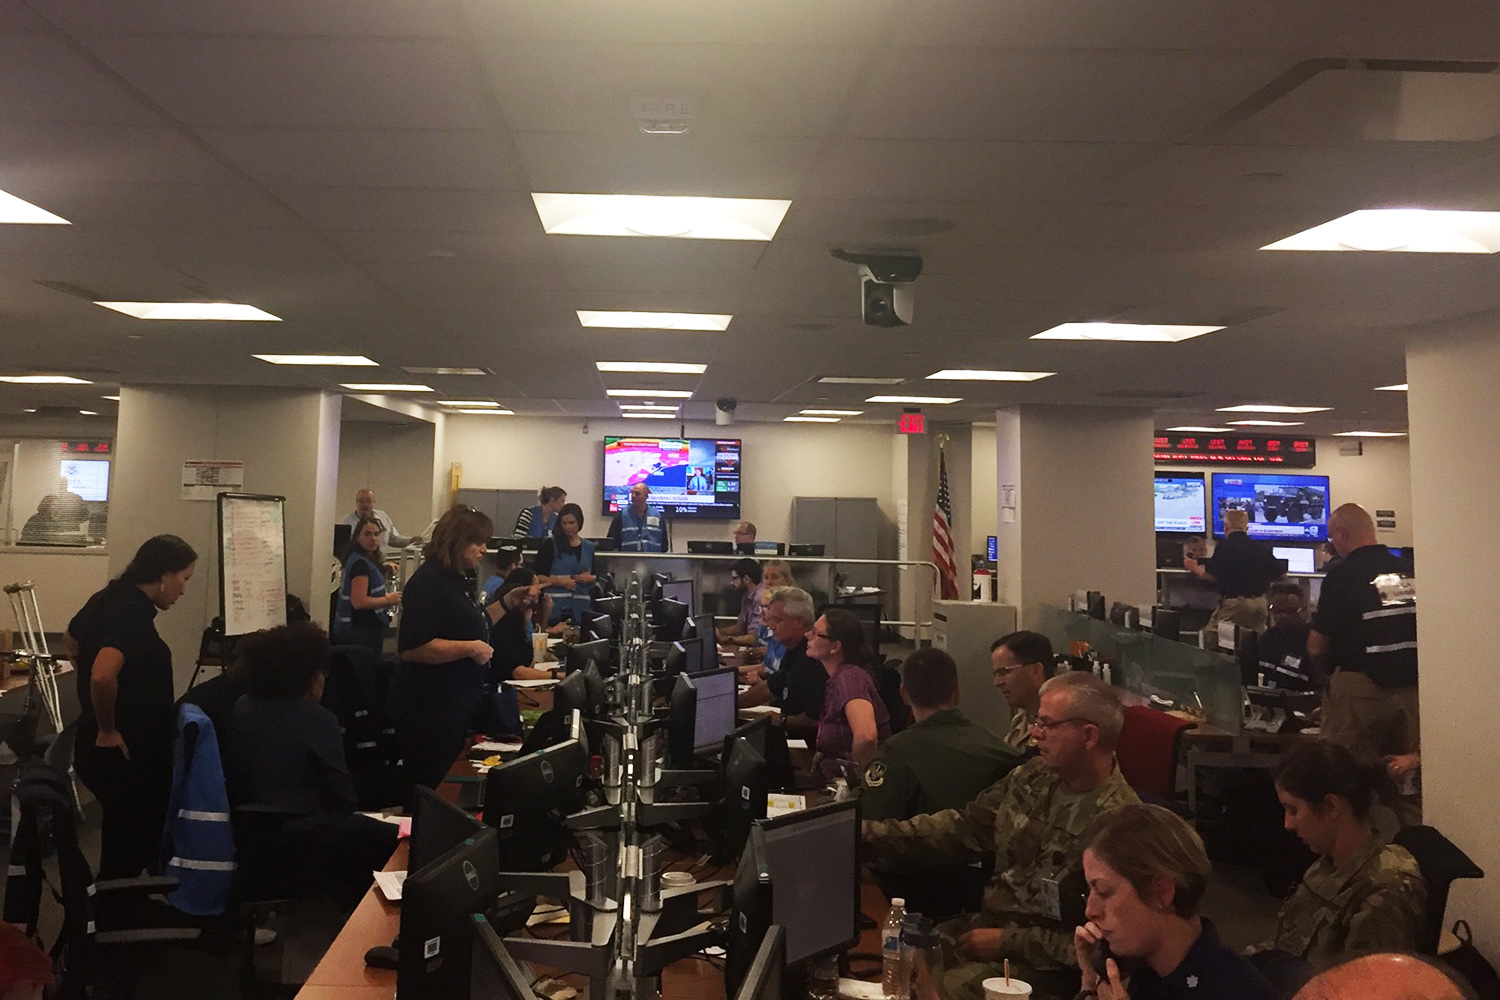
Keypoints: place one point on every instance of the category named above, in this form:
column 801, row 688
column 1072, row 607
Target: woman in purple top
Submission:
column 854, row 720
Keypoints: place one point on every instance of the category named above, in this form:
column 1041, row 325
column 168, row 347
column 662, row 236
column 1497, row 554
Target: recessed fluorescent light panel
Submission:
column 472, row 403
column 648, row 407
column 192, row 310
column 488, row 413
column 859, row 380
column 14, row 210
column 385, row 387
column 1401, row 230
column 660, row 216
column 648, row 416
column 656, row 367
column 446, row 371
column 1265, row 423
column 1271, row 408
column 649, row 393
column 605, row 320
column 831, row 413
column 934, row 400
column 348, row 360
column 114, row 398
column 1144, row 333
column 1401, row 387
column 1201, row 430
column 810, row 420
column 987, row 375
column 44, row 380
column 1370, row 434
column 88, row 413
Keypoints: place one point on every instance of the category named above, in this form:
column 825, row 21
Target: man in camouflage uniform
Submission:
column 1374, row 901
column 941, row 761
column 1021, row 663
column 1032, row 819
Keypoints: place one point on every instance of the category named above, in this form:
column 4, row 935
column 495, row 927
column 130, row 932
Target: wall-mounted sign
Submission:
column 912, row 423
column 87, row 447
column 1289, row 452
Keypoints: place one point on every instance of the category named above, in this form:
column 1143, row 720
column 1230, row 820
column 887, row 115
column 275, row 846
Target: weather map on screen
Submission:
column 693, row 477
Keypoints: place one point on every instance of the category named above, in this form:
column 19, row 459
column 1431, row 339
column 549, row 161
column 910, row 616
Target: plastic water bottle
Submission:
column 895, row 979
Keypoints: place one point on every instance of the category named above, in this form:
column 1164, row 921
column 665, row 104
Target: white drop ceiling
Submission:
column 364, row 171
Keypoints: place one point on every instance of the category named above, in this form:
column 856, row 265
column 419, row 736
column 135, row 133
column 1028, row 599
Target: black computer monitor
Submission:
column 746, row 783
column 526, row 800
column 800, row 871
column 706, row 547
column 613, row 605
column 1096, row 605
column 341, row 535
column 581, row 654
column 684, row 658
column 601, row 627
column 593, row 680
column 682, row 725
column 671, row 615
column 529, row 545
column 766, row 977
column 715, row 708
column 679, row 590
column 494, row 974
column 436, row 939
column 770, row 742
column 572, row 693
column 437, row 826
column 1166, row 624
column 812, row 550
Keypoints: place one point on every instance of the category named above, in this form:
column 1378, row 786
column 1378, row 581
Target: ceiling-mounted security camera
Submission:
column 886, row 278
column 724, row 411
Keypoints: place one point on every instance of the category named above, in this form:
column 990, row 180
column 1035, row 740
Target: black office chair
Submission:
column 356, row 692
column 1441, row 862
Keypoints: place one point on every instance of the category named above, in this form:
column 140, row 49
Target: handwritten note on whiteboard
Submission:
column 252, row 560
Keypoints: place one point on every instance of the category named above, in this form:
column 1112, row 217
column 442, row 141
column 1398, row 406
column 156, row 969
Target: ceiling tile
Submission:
column 45, row 81
column 370, row 157
column 656, row 22
column 375, row 18
column 633, row 163
column 416, row 209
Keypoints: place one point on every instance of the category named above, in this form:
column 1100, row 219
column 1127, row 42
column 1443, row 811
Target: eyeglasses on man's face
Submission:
column 1047, row 725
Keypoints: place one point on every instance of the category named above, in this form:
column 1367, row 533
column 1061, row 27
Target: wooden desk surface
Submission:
column 342, row 973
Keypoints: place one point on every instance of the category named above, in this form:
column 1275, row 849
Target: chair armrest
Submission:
column 144, row 885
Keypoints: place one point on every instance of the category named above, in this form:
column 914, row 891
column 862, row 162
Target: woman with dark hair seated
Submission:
column 1360, row 895
column 510, row 636
column 855, row 720
column 284, row 752
column 1147, row 872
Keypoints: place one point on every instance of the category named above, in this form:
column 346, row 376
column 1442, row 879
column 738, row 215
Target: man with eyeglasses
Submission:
column 798, row 685
column 364, row 506
column 744, row 577
column 1021, row 663
column 1033, row 820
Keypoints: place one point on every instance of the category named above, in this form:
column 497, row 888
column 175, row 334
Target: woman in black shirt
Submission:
column 442, row 641
column 123, row 752
column 513, row 609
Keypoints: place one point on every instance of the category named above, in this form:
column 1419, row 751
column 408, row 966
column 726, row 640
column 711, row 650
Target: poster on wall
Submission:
column 206, row 479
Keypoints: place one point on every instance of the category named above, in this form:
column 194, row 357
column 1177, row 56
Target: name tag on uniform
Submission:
column 653, row 521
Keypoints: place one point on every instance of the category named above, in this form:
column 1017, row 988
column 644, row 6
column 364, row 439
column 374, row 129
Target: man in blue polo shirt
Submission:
column 638, row 527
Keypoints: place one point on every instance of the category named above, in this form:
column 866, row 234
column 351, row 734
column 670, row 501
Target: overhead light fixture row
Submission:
column 1399, row 387
column 1401, row 230
column 1144, row 333
column 987, row 375
column 1266, row 423
column 648, row 407
column 648, row 416
column 621, row 320
column 15, row 211
column 44, row 380
column 652, row 367
column 918, row 400
column 800, row 419
column 215, row 311
column 386, row 387
column 858, row 380
column 500, row 412
column 1370, row 434
column 648, row 393
column 472, row 403
column 446, row 371
column 1271, row 408
column 112, row 398
column 344, row 360
column 831, row 413
column 663, row 216
column 1202, row 430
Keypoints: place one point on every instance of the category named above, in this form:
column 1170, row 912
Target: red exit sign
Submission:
column 912, row 423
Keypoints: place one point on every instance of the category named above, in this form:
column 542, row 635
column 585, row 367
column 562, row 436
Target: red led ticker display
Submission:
column 912, row 423
column 1236, row 449
column 86, row 447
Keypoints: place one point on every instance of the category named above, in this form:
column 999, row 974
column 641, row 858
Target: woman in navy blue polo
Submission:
column 443, row 645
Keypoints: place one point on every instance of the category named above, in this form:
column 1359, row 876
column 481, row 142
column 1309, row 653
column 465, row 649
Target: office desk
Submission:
column 342, row 973
column 1209, row 746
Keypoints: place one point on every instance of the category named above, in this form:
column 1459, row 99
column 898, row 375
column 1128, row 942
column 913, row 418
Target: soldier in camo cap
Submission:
column 1032, row 820
column 1360, row 895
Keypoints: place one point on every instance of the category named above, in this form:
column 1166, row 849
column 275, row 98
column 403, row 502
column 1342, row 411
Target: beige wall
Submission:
column 288, row 440
column 781, row 461
column 393, row 460
column 1455, row 449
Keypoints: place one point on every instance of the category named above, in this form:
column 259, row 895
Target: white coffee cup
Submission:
column 676, row 880
column 998, row 989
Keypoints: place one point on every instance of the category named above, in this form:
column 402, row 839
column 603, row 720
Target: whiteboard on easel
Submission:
column 252, row 562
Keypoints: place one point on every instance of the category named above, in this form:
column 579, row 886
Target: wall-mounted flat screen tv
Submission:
column 1180, row 502
column 1281, row 507
column 689, row 477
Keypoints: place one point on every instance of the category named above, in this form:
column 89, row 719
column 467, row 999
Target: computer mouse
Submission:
column 382, row 956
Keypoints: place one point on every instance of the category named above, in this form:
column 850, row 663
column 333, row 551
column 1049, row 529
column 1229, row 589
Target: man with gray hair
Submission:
column 798, row 684
column 1032, row 819
column 1242, row 569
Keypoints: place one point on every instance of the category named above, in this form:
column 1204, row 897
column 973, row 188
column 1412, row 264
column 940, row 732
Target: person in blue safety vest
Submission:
column 638, row 527
column 565, row 566
column 541, row 520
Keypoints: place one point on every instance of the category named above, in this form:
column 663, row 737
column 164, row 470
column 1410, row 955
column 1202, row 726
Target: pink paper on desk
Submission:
column 403, row 829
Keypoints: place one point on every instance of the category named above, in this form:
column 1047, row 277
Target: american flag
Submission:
column 942, row 535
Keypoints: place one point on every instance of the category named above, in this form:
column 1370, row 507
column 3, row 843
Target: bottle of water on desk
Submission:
column 894, row 979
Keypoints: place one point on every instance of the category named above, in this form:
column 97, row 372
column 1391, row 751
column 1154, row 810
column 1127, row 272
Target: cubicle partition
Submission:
column 1155, row 670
